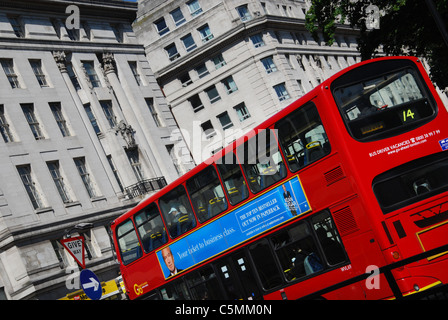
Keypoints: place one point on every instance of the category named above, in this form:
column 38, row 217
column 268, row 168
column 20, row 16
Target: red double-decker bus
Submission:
column 350, row 177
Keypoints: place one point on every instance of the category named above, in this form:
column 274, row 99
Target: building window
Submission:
column 172, row 52
column 134, row 160
column 219, row 61
column 16, row 26
column 134, row 69
column 194, row 7
column 230, row 85
column 189, row 43
column 244, row 13
column 8, row 68
column 152, row 109
column 92, row 118
column 178, row 17
column 161, row 27
column 225, row 121
column 36, row 65
column 281, row 91
column 59, row 117
column 28, row 111
column 109, row 112
column 91, row 73
column 59, row 181
column 205, row 33
column 242, row 112
column 115, row 171
column 185, row 79
column 196, row 103
column 170, row 149
column 118, row 32
column 73, row 77
column 257, row 40
column 87, row 29
column 269, row 65
column 4, row 126
column 30, row 186
column 208, row 129
column 85, row 176
column 213, row 94
column 202, row 70
column 73, row 34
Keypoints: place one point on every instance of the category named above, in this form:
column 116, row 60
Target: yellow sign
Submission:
column 110, row 288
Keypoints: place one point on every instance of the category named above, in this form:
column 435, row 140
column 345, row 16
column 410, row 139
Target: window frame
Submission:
column 154, row 235
column 301, row 134
column 131, row 230
column 207, row 179
column 260, row 175
column 184, row 219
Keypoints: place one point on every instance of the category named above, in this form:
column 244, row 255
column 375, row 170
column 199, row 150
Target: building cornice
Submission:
column 109, row 8
column 70, row 46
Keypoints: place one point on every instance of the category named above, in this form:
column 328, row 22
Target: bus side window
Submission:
column 297, row 252
column 150, row 228
column 303, row 137
column 176, row 290
column 262, row 161
column 233, row 179
column 265, row 264
column 328, row 237
column 176, row 210
column 206, row 194
column 128, row 243
column 204, row 284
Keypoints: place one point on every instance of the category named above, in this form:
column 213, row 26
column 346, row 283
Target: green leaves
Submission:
column 406, row 28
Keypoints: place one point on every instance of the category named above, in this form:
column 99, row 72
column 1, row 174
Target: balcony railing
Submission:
column 144, row 187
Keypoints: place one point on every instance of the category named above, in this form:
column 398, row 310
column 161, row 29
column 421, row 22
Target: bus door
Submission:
column 238, row 277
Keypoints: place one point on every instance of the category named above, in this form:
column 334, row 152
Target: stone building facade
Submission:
column 86, row 134
column 226, row 66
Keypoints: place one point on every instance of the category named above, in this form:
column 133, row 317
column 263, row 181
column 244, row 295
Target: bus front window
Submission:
column 383, row 106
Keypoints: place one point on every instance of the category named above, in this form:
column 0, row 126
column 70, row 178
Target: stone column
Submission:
column 147, row 142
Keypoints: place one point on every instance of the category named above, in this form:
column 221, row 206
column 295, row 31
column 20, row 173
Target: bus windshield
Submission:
column 384, row 106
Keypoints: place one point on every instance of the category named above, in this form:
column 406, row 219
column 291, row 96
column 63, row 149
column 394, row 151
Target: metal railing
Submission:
column 144, row 187
column 437, row 292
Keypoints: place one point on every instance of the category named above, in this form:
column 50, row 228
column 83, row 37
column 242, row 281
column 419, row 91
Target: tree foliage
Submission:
column 406, row 28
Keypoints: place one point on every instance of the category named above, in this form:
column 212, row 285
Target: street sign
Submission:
column 91, row 285
column 75, row 246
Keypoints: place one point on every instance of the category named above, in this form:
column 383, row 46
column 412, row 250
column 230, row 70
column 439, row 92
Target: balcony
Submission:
column 144, row 187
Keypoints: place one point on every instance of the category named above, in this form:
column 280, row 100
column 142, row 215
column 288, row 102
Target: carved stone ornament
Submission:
column 61, row 60
column 127, row 132
column 108, row 62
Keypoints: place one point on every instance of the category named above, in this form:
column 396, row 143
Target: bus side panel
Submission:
column 361, row 245
column 142, row 276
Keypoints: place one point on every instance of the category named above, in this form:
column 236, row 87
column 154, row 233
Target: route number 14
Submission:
column 408, row 115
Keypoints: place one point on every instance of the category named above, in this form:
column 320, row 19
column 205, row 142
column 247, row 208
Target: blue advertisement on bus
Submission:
column 272, row 208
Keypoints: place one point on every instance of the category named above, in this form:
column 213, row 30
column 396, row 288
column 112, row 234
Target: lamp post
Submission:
column 80, row 227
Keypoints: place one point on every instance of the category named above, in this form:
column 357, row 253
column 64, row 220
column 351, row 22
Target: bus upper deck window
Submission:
column 150, row 228
column 261, row 160
column 302, row 137
column 177, row 211
column 233, row 179
column 380, row 102
column 130, row 249
column 206, row 194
